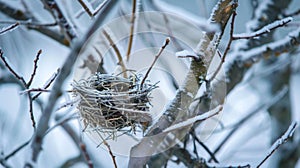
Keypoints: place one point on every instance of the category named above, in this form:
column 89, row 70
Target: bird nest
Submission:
column 110, row 103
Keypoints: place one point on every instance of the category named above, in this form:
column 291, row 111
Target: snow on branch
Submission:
column 191, row 121
column 264, row 30
column 274, row 48
column 283, row 139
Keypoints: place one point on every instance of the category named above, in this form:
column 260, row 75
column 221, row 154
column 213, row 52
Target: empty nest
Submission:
column 110, row 103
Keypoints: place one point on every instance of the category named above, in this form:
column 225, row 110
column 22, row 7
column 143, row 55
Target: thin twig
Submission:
column 22, row 80
column 29, row 23
column 86, row 155
column 9, row 28
column 58, row 15
column 31, row 111
column 132, row 20
column 275, row 99
column 48, row 84
column 86, row 8
column 167, row 41
column 11, row 69
column 21, row 15
column 34, row 90
column 111, row 154
column 17, row 150
column 211, row 154
column 283, row 139
column 98, row 9
column 57, row 87
column 117, row 51
column 34, row 68
column 266, row 29
column 227, row 47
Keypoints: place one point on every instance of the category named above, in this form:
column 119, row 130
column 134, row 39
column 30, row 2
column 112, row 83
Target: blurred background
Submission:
column 258, row 108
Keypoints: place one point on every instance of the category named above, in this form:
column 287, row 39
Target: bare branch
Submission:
column 34, row 68
column 20, row 15
column 117, row 51
column 17, row 150
column 132, row 21
column 155, row 59
column 23, row 82
column 48, row 83
column 29, row 23
column 283, row 139
column 11, row 69
column 275, row 99
column 86, row 155
column 57, row 87
column 85, row 7
column 110, row 153
column 9, row 28
column 231, row 38
column 54, row 9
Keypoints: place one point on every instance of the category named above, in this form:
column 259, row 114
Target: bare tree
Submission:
column 177, row 88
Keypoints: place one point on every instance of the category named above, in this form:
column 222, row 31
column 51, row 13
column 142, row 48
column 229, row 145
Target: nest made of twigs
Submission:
column 110, row 103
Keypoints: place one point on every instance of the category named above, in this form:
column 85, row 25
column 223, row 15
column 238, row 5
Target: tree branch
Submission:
column 178, row 110
column 59, row 17
column 283, row 139
column 57, row 87
column 22, row 16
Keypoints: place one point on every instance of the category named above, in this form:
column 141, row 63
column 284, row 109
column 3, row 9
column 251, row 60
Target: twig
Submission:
column 95, row 12
column 283, row 139
column 34, row 90
column 117, row 51
column 266, row 29
column 132, row 19
column 20, row 15
column 110, row 153
column 86, row 155
column 17, row 150
column 48, row 83
column 86, row 8
column 227, row 47
column 211, row 154
column 11, row 69
column 167, row 41
column 9, row 28
column 34, row 68
column 29, row 23
column 170, row 33
column 98, row 9
column 58, row 15
column 57, row 87
column 275, row 99
column 22, row 80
